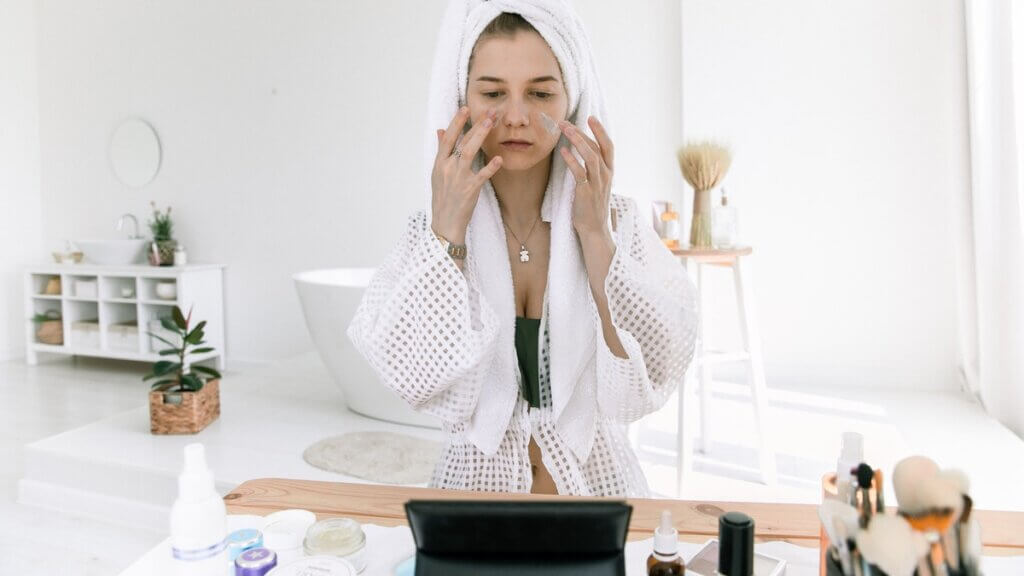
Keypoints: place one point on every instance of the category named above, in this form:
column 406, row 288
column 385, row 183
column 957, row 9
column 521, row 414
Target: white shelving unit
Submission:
column 109, row 311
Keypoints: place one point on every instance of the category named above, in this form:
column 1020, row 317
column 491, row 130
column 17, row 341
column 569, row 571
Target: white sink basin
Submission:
column 114, row 252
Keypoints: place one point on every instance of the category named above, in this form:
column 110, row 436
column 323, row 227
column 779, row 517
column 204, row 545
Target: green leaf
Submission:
column 198, row 328
column 169, row 324
column 179, row 319
column 171, row 352
column 191, row 382
column 163, row 385
column 174, row 346
column 165, row 367
column 200, row 350
column 206, row 370
column 194, row 338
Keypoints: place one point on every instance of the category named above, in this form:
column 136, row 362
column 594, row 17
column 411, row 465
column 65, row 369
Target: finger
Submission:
column 578, row 171
column 604, row 141
column 475, row 137
column 491, row 169
column 590, row 156
column 593, row 144
column 451, row 135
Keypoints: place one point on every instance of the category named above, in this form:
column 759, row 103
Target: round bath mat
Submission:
column 378, row 456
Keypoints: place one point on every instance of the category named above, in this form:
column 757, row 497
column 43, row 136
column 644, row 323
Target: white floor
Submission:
column 82, row 423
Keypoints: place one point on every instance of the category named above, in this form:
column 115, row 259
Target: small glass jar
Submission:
column 341, row 537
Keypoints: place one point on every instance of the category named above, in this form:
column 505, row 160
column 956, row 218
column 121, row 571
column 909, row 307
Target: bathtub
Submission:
column 329, row 299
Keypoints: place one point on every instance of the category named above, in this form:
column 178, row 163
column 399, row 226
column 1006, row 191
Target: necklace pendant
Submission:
column 524, row 254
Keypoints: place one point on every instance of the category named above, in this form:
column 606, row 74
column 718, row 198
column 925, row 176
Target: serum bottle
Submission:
column 665, row 559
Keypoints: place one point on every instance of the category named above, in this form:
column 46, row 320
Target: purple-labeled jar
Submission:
column 255, row 562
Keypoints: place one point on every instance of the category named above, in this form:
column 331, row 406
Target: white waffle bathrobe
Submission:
column 434, row 339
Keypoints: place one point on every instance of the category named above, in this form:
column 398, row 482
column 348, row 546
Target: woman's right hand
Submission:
column 456, row 187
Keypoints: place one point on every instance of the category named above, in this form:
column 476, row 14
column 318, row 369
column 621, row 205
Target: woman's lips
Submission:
column 516, row 145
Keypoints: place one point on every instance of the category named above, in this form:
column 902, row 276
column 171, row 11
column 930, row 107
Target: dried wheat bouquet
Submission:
column 704, row 164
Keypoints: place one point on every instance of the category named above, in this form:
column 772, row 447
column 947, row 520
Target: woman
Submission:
column 529, row 309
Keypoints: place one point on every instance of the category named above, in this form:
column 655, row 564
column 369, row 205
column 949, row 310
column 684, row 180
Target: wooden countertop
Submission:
column 1002, row 532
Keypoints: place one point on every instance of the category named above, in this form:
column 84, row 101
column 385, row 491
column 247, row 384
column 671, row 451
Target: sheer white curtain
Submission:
column 991, row 262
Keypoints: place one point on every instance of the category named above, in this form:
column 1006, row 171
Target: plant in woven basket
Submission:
column 162, row 228
column 178, row 375
column 704, row 166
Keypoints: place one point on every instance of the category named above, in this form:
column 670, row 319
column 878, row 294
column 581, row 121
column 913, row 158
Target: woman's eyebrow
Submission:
column 502, row 81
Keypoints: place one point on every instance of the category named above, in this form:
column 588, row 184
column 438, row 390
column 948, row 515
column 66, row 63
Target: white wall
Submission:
column 291, row 130
column 19, row 168
column 849, row 129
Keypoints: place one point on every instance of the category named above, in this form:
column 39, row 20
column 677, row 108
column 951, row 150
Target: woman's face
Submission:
column 518, row 77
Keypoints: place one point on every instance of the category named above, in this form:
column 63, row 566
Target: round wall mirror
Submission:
column 135, row 152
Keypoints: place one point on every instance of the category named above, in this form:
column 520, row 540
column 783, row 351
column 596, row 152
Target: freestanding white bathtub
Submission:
column 329, row 300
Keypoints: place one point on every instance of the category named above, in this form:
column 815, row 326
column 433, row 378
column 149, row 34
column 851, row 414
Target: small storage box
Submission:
column 85, row 334
column 124, row 337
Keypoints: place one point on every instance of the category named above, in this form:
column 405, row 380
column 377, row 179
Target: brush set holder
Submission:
column 931, row 533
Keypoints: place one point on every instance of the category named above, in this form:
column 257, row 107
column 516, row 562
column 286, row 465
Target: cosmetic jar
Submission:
column 341, row 537
column 284, row 531
column 319, row 565
column 255, row 562
column 241, row 540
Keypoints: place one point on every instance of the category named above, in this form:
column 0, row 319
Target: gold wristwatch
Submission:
column 457, row 251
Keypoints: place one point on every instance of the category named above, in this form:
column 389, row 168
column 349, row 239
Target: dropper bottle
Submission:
column 665, row 559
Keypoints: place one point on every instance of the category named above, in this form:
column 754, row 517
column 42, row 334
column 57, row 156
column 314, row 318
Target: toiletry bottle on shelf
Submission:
column 665, row 559
column 180, row 258
column 723, row 224
column 670, row 226
column 198, row 520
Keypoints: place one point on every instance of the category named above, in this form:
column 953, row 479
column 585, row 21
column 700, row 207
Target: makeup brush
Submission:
column 936, row 503
column 865, row 476
column 958, row 482
column 833, row 513
column 842, row 543
column 879, row 492
column 892, row 545
column 907, row 477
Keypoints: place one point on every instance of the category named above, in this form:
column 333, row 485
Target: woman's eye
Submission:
column 541, row 95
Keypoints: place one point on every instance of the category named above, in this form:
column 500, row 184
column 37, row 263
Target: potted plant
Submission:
column 49, row 328
column 162, row 251
column 184, row 398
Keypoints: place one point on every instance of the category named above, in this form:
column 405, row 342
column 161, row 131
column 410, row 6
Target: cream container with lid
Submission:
column 340, row 537
column 283, row 532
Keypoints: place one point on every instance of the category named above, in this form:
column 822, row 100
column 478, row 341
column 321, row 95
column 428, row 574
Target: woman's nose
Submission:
column 516, row 113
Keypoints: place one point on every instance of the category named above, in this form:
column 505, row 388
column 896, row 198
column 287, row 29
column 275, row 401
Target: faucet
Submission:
column 135, row 225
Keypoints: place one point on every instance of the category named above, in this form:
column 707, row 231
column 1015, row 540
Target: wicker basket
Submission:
column 50, row 332
column 195, row 412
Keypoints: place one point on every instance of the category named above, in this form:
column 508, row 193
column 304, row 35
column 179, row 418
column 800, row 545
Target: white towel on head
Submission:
column 569, row 317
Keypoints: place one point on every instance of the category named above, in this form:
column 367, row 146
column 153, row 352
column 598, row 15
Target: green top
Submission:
column 527, row 333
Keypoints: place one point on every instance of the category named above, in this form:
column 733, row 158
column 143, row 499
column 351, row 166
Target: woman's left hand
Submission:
column 593, row 180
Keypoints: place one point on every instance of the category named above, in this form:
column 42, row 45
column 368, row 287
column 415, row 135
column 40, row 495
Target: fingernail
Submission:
column 463, row 110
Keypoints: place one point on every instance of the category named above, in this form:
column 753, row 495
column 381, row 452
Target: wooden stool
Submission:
column 704, row 358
